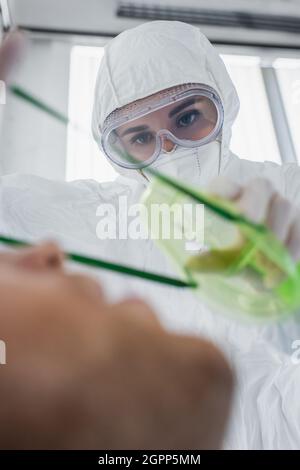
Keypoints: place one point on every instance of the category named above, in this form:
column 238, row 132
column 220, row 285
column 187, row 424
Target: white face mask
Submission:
column 196, row 166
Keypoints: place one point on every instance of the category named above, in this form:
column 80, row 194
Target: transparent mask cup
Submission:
column 240, row 268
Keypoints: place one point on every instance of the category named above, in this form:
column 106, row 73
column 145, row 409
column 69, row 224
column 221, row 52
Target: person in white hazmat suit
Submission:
column 141, row 75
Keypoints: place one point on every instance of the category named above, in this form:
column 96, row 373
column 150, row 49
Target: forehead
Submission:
column 160, row 115
column 163, row 95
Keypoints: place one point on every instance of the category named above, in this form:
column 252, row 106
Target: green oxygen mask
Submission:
column 240, row 267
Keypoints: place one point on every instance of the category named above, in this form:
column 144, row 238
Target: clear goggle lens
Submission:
column 192, row 120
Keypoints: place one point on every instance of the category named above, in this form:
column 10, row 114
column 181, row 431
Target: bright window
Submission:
column 253, row 135
column 84, row 159
column 288, row 73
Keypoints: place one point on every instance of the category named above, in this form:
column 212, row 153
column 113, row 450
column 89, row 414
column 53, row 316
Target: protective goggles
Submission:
column 188, row 116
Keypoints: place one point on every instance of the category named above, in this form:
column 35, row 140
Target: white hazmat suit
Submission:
column 138, row 63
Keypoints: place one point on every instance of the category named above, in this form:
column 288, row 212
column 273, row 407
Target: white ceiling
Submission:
column 99, row 17
column 252, row 6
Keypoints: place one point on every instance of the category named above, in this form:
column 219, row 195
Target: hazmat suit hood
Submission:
column 155, row 56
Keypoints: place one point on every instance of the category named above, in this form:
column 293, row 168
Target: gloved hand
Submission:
column 10, row 51
column 260, row 202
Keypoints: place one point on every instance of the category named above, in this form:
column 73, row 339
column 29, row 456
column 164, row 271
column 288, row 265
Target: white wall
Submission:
column 1, row 106
column 31, row 141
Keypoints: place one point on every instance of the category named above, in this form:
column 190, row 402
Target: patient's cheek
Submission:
column 74, row 296
column 7, row 258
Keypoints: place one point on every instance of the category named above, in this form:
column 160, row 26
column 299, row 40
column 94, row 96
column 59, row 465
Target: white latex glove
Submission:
column 260, row 202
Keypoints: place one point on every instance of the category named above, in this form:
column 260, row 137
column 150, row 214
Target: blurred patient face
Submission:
column 84, row 373
column 33, row 282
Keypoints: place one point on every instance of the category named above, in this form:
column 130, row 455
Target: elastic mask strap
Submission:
column 143, row 175
column 220, row 140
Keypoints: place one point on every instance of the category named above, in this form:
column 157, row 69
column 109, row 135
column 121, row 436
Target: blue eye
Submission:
column 144, row 138
column 188, row 118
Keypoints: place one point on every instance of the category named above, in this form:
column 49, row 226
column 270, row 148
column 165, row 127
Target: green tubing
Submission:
column 37, row 103
column 101, row 264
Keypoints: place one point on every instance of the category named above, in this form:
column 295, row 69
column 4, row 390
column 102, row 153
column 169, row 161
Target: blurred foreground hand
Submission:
column 10, row 51
column 260, row 202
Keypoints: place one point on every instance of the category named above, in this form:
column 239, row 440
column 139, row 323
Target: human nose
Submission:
column 46, row 256
column 168, row 146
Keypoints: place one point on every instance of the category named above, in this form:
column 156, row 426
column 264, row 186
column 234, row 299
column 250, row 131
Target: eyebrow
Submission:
column 182, row 106
column 174, row 111
column 134, row 129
